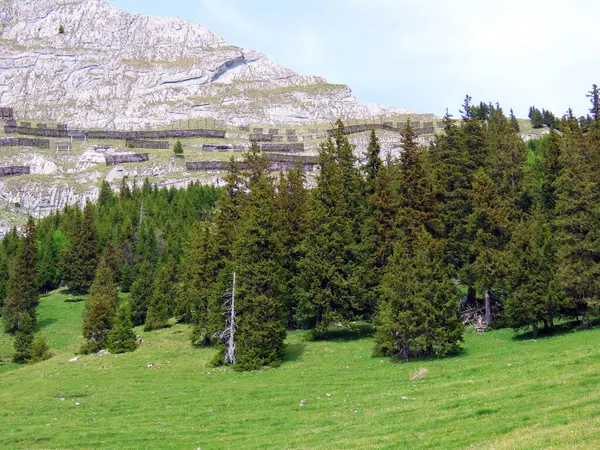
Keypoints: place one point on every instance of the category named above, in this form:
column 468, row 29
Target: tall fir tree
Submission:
column 122, row 338
column 489, row 224
column 418, row 311
column 24, row 338
column 261, row 331
column 100, row 309
column 22, row 293
column 81, row 256
column 333, row 264
column 161, row 304
column 533, row 294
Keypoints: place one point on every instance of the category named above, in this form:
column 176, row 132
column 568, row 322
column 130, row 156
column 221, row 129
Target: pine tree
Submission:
column 122, row 338
column 489, row 225
column 577, row 214
column 23, row 294
column 373, row 163
column 261, row 331
column 536, row 117
column 514, row 123
column 100, row 308
column 291, row 222
column 160, row 305
column 80, row 259
column 594, row 96
column 333, row 264
column 534, row 296
column 416, row 201
column 48, row 273
column 24, row 337
column 452, row 176
column 141, row 291
column 40, row 351
column 178, row 148
column 418, row 311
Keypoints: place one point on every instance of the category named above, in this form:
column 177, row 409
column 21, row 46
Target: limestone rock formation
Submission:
column 87, row 63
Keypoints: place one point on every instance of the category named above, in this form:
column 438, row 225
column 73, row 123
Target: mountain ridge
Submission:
column 112, row 69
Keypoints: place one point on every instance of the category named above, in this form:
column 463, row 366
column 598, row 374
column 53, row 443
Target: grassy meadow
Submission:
column 504, row 391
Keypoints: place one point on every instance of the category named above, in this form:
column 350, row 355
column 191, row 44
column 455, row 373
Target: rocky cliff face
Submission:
column 89, row 64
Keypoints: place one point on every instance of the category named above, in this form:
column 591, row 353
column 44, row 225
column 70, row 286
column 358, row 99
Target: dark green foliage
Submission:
column 514, row 123
column 40, row 351
column 178, row 148
column 260, row 328
column 141, row 292
column 24, row 337
column 536, row 117
column 332, row 266
column 122, row 338
column 418, row 311
column 594, row 96
column 161, row 305
column 22, row 294
column 81, row 255
column 291, row 222
column 534, row 296
column 100, row 309
column 373, row 164
column 126, row 278
column 489, row 224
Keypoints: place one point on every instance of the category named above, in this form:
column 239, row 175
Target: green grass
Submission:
column 501, row 392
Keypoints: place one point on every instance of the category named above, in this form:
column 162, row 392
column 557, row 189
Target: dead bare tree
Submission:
column 227, row 336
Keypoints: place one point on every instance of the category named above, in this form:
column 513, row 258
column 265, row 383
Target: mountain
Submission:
column 88, row 64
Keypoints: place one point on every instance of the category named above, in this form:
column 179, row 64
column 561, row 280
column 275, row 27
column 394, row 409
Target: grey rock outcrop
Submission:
column 89, row 64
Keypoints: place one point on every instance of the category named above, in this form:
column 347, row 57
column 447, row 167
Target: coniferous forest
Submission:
column 478, row 227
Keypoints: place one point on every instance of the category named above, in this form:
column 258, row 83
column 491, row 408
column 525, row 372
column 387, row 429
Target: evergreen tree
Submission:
column 141, row 292
column 291, row 222
column 489, row 225
column 261, row 331
column 452, row 175
column 24, row 338
column 416, row 201
column 122, row 338
column 48, row 272
column 160, row 305
column 534, row 296
column 373, row 163
column 178, row 148
column 80, row 259
column 594, row 96
column 331, row 268
column 40, row 351
column 22, row 295
column 576, row 217
column 536, row 117
column 100, row 308
column 514, row 123
column 418, row 312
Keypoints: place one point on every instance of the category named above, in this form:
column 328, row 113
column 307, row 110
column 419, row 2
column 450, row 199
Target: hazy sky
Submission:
column 424, row 55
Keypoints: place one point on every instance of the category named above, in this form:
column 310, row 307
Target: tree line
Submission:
column 477, row 226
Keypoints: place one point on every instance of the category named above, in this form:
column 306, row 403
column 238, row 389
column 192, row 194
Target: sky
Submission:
column 423, row 55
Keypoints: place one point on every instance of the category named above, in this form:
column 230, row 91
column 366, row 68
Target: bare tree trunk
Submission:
column 488, row 306
column 229, row 332
column 471, row 295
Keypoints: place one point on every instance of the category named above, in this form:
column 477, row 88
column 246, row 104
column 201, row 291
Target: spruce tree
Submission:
column 332, row 268
column 489, row 224
column 178, row 148
column 418, row 311
column 141, row 292
column 261, row 331
column 24, row 337
column 100, row 309
column 40, row 351
column 122, row 338
column 514, row 123
column 161, row 305
column 534, row 296
column 81, row 256
column 577, row 214
column 291, row 221
column 373, row 163
column 22, row 293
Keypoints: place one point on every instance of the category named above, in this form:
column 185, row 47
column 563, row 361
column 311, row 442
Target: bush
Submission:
column 40, row 351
